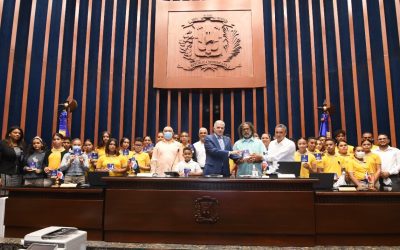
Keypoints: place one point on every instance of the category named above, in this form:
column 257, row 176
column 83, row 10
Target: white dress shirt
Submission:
column 200, row 153
column 192, row 165
column 390, row 158
column 281, row 151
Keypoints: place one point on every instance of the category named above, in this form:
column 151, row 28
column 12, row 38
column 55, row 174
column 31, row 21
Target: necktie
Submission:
column 221, row 142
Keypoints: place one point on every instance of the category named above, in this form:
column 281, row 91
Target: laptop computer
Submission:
column 289, row 167
column 94, row 179
column 325, row 180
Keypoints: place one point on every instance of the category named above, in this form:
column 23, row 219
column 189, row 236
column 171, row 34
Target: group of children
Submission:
column 358, row 165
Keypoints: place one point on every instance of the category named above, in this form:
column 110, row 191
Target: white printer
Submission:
column 68, row 238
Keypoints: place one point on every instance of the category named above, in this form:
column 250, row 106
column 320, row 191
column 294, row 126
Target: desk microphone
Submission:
column 172, row 165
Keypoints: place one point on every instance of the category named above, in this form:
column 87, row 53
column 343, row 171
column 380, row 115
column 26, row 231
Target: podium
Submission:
column 210, row 211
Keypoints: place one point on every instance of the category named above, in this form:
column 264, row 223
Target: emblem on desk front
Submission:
column 206, row 210
column 209, row 43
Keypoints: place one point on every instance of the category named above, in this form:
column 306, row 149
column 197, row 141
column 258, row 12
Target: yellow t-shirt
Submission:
column 345, row 161
column 304, row 172
column 350, row 149
column 318, row 161
column 143, row 160
column 375, row 160
column 332, row 164
column 101, row 151
column 55, row 158
column 118, row 161
column 359, row 168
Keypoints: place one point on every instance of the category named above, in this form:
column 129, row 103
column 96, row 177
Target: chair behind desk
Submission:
column 94, row 179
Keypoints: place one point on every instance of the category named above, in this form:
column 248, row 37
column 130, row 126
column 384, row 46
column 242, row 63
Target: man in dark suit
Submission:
column 218, row 151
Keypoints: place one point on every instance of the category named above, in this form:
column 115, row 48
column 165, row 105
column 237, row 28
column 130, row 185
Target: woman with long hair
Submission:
column 11, row 157
column 100, row 149
column 88, row 150
column 34, row 174
column 375, row 159
column 112, row 162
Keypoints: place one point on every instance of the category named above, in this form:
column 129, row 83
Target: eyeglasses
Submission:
column 138, row 145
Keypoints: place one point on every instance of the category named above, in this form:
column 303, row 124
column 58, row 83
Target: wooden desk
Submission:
column 30, row 209
column 210, row 211
column 357, row 218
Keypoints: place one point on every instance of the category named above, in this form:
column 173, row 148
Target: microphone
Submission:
column 172, row 164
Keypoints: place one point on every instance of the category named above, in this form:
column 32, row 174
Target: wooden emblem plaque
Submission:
column 209, row 44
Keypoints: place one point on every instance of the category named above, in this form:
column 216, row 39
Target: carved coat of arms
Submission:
column 206, row 210
column 209, row 43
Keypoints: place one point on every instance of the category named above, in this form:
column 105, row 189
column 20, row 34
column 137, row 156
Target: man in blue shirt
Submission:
column 252, row 150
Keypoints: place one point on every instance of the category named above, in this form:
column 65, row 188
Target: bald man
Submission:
column 166, row 154
column 199, row 150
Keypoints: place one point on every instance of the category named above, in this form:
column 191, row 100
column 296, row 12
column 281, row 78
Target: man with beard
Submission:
column 252, row 150
column 390, row 158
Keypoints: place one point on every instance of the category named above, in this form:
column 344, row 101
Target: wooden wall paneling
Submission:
column 28, row 65
column 288, row 76
column 370, row 69
column 211, row 110
column 10, row 68
column 99, row 63
column 232, row 115
column 112, row 58
column 146, row 86
column 300, row 63
column 136, row 70
column 58, row 71
column 169, row 109
column 73, row 62
column 221, row 105
column 397, row 4
column 201, row 109
column 265, row 100
column 255, row 109
column 1, row 10
column 123, row 72
column 243, row 105
column 325, row 55
column 339, row 65
column 85, row 70
column 179, row 111
column 157, row 115
column 190, row 129
column 387, row 73
column 274, row 52
column 354, row 69
column 44, row 67
column 313, row 68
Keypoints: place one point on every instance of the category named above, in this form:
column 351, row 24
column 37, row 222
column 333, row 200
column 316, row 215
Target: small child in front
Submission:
column 188, row 167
